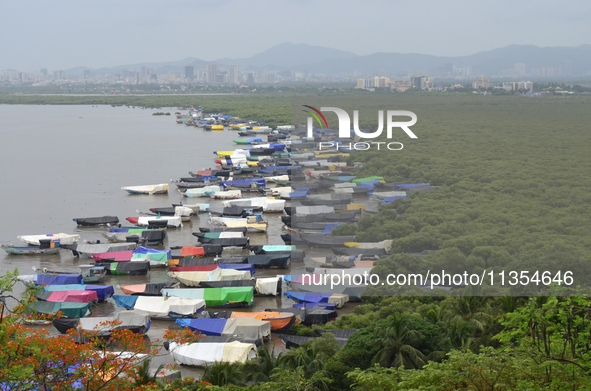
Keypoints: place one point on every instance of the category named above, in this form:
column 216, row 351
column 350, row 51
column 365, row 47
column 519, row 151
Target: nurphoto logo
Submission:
column 345, row 131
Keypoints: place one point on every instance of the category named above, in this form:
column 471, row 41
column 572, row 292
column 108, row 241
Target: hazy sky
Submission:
column 61, row 34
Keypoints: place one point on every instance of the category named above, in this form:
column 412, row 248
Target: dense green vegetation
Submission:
column 515, row 189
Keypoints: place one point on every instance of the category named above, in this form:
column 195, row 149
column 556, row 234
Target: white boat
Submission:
column 171, row 221
column 85, row 250
column 202, row 353
column 194, row 278
column 226, row 195
column 202, row 191
column 33, row 240
column 147, row 189
column 268, row 204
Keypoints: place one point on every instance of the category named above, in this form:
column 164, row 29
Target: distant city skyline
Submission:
column 64, row 34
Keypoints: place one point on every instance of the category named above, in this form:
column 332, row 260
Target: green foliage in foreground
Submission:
column 542, row 345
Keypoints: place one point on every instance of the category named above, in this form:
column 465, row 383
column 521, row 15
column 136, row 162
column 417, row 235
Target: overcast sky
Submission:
column 61, row 34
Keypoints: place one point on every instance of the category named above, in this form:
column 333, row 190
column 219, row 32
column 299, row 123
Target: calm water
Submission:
column 64, row 162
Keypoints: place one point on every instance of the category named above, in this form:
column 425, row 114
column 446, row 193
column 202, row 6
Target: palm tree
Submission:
column 222, row 373
column 259, row 370
column 142, row 373
column 306, row 356
column 397, row 347
column 474, row 310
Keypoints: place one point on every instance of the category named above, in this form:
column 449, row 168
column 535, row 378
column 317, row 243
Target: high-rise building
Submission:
column 233, row 75
column 566, row 68
column 212, row 72
column 189, row 72
column 519, row 69
column 44, row 71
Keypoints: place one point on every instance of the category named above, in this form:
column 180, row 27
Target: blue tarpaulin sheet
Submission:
column 125, row 301
column 369, row 184
column 309, row 297
column 102, row 291
column 329, row 227
column 278, row 147
column 299, row 194
column 205, row 326
column 244, row 182
column 58, row 279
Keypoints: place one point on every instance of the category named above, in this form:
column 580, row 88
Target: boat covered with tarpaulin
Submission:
column 68, row 310
column 103, row 292
column 161, row 307
column 212, row 267
column 171, row 221
column 245, row 329
column 194, row 278
column 204, row 354
column 268, row 204
column 150, row 289
column 67, row 296
column 161, row 188
column 86, row 250
column 216, row 297
column 62, row 238
column 136, row 321
column 319, row 297
column 93, row 221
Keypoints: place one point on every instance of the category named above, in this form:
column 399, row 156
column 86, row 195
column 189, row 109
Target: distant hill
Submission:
column 317, row 59
column 288, row 56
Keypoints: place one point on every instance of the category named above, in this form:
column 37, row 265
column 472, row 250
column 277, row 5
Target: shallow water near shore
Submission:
column 63, row 162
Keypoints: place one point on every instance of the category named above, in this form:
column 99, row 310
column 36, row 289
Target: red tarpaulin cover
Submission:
column 118, row 256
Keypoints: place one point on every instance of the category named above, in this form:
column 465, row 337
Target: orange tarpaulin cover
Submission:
column 131, row 289
column 192, row 251
column 278, row 319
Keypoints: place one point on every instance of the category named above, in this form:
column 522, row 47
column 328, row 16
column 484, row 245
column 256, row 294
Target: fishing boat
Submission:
column 281, row 322
column 219, row 274
column 151, row 289
column 94, row 221
column 103, row 292
column 204, row 354
column 29, row 250
column 190, row 185
column 248, row 141
column 147, row 189
column 216, row 297
column 90, row 273
column 204, row 191
column 86, row 250
column 68, row 310
column 319, row 297
column 243, row 329
column 171, row 221
column 62, row 238
column 226, row 195
column 102, row 327
column 162, row 307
